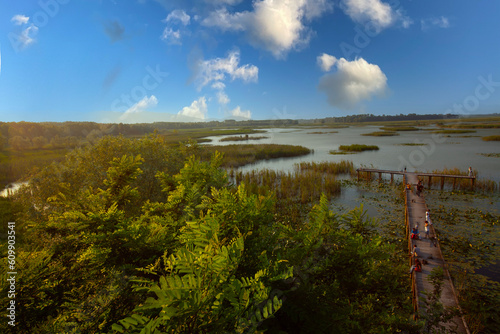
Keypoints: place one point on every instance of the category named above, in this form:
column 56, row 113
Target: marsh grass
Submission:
column 490, row 155
column 238, row 155
column 399, row 128
column 358, row 148
column 453, row 131
column 491, row 138
column 335, row 168
column 242, row 138
column 295, row 192
column 472, row 126
column 381, row 134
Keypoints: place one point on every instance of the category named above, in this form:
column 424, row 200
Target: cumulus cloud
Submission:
column 216, row 70
column 114, row 30
column 197, row 109
column 435, row 22
column 353, row 82
column 20, row 19
column 178, row 16
column 378, row 13
column 326, row 62
column 277, row 26
column 141, row 106
column 238, row 113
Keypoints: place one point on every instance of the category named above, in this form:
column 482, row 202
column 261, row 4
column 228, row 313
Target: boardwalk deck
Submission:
column 430, row 252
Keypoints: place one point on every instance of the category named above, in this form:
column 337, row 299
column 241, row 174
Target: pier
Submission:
column 429, row 249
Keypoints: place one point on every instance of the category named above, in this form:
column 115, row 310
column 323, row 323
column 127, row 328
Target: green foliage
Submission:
column 200, row 292
column 358, row 148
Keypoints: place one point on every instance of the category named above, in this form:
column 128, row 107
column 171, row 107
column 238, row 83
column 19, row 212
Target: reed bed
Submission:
column 242, row 138
column 471, row 126
column 454, row 131
column 381, row 134
column 358, row 148
column 295, row 192
column 399, row 128
column 239, row 155
column 491, row 138
column 335, row 168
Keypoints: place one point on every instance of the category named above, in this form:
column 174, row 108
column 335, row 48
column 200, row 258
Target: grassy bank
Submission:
column 399, row 128
column 453, row 131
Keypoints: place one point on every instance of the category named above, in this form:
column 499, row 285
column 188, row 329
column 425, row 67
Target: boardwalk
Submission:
column 431, row 253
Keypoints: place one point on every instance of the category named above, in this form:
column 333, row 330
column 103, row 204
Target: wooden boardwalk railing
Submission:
column 369, row 171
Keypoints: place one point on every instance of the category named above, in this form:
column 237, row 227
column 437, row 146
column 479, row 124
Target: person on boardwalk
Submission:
column 426, row 229
column 470, row 172
column 428, row 216
column 416, row 251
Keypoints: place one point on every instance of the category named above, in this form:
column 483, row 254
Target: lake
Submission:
column 461, row 151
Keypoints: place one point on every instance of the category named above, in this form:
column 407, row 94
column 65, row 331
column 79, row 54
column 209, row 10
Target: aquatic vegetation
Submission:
column 358, row 148
column 342, row 167
column 239, row 155
column 495, row 155
column 469, row 237
column 491, row 138
column 453, row 131
column 399, row 128
column 242, row 138
column 381, row 134
column 484, row 185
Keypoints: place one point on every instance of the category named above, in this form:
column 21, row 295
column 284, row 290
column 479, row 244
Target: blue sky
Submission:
column 158, row 60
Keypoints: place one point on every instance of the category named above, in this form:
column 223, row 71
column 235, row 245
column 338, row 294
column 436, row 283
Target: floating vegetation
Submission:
column 358, row 148
column 453, row 131
column 490, row 155
column 242, row 138
column 412, row 144
column 491, row 138
column 399, row 128
column 381, row 134
column 469, row 238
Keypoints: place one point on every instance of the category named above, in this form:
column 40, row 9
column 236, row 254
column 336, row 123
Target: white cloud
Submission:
column 326, row 62
column 215, row 70
column 222, row 97
column 178, row 15
column 26, row 37
column 435, row 22
column 274, row 25
column 19, row 19
column 141, row 106
column 171, row 36
column 353, row 82
column 238, row 113
column 378, row 13
column 197, row 109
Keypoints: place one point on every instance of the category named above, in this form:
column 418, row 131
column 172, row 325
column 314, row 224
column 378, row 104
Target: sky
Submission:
column 197, row 60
